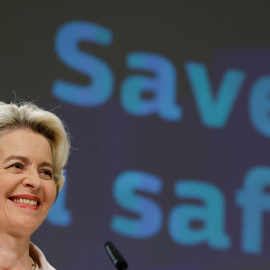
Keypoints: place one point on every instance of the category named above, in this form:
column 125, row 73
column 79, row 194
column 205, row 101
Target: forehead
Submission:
column 25, row 142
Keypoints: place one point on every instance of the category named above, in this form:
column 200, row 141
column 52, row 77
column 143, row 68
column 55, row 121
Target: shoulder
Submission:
column 37, row 255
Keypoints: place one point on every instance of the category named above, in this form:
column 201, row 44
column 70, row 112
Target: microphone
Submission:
column 115, row 256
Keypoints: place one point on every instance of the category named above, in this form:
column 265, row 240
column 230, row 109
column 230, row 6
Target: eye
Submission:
column 16, row 167
column 46, row 174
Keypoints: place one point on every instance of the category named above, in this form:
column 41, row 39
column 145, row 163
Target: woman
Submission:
column 34, row 148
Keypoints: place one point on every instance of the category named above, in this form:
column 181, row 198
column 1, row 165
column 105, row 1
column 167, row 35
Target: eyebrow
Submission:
column 22, row 158
column 26, row 160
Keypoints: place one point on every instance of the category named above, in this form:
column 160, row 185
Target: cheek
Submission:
column 8, row 182
column 50, row 191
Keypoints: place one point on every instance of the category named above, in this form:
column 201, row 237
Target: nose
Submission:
column 32, row 181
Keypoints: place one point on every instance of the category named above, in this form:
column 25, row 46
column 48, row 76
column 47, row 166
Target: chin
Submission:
column 26, row 227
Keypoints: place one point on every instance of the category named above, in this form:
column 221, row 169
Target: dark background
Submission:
column 107, row 140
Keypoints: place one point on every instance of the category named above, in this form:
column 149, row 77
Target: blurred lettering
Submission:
column 149, row 215
column 259, row 105
column 254, row 201
column 211, row 214
column 214, row 112
column 161, row 84
column 208, row 210
column 154, row 90
column 100, row 74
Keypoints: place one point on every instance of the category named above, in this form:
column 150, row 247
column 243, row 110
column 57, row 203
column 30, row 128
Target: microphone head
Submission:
column 115, row 256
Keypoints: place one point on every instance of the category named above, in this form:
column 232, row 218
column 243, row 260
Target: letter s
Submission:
column 66, row 45
column 150, row 218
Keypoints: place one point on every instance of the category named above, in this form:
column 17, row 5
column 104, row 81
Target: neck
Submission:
column 14, row 252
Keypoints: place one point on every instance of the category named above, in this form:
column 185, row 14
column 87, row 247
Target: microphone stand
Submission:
column 115, row 256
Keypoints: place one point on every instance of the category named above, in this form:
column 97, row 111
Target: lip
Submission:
column 27, row 197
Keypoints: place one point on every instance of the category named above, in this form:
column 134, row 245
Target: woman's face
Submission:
column 27, row 187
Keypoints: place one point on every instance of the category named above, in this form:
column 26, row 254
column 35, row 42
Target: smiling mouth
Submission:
column 25, row 201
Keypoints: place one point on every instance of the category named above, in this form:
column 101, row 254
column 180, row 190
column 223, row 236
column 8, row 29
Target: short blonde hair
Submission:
column 28, row 115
